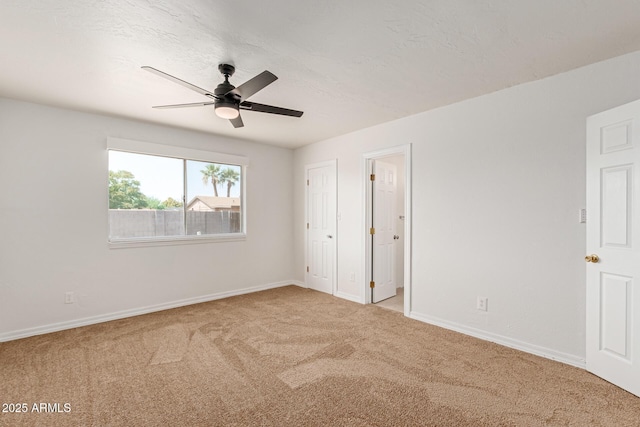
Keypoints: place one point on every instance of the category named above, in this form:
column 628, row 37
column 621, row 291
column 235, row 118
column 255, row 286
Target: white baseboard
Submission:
column 349, row 297
column 299, row 283
column 547, row 353
column 338, row 294
column 61, row 326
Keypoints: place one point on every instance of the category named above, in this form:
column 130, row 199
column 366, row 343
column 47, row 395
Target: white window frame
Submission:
column 148, row 148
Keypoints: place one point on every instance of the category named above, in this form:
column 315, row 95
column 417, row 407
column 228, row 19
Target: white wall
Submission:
column 53, row 227
column 497, row 185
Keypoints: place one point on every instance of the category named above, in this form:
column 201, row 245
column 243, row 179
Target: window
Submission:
column 162, row 194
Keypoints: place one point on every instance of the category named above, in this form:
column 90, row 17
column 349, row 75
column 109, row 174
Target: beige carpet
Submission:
column 293, row 357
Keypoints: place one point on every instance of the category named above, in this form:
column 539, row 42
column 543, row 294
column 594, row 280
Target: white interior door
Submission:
column 384, row 225
column 613, row 235
column 321, row 227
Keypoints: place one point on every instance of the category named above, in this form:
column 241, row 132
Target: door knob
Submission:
column 329, row 236
column 592, row 258
column 396, row 237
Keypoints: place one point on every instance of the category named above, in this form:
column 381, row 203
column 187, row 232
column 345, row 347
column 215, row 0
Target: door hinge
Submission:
column 372, row 284
column 307, row 226
column 372, row 177
column 307, row 182
column 372, row 230
column 307, row 268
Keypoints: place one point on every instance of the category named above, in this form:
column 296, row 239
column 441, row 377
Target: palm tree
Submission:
column 211, row 173
column 230, row 177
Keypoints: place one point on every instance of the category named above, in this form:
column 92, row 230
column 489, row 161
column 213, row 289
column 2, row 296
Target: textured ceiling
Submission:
column 347, row 64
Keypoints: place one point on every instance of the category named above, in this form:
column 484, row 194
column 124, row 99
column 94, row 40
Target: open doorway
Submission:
column 388, row 232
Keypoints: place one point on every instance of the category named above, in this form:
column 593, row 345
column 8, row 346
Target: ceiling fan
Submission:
column 228, row 99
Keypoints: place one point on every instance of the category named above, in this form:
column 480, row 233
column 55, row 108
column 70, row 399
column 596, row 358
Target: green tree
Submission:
column 230, row 177
column 124, row 191
column 153, row 203
column 211, row 173
column 172, row 203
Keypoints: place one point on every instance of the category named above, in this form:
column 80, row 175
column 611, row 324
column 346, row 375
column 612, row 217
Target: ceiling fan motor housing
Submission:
column 227, row 104
column 222, row 91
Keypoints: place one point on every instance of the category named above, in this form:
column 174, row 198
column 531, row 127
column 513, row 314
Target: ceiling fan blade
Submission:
column 237, row 122
column 180, row 81
column 262, row 108
column 193, row 104
column 259, row 82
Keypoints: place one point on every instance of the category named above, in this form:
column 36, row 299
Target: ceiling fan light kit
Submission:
column 228, row 100
column 226, row 110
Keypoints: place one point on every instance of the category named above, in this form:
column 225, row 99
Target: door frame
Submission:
column 367, row 158
column 334, row 273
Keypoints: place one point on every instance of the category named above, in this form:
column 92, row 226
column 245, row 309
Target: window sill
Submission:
column 175, row 240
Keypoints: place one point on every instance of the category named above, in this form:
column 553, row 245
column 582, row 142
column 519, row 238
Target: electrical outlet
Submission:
column 68, row 298
column 482, row 303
